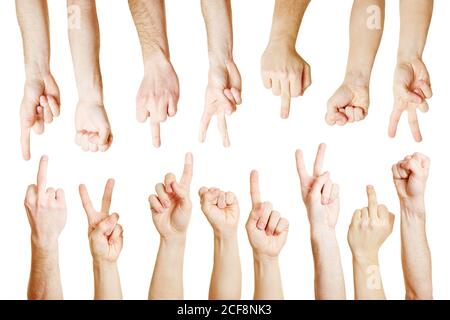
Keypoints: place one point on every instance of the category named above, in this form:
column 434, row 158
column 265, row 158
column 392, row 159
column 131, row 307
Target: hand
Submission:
column 158, row 96
column 40, row 104
column 93, row 128
column 46, row 209
column 349, row 103
column 266, row 230
column 283, row 70
column 171, row 206
column 320, row 194
column 412, row 88
column 223, row 94
column 370, row 227
column 105, row 234
column 221, row 209
column 410, row 179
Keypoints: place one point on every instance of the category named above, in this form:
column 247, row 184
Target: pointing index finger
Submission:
column 254, row 188
column 372, row 201
column 42, row 174
column 186, row 178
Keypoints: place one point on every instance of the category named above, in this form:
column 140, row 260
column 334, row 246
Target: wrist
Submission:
column 322, row 234
column 264, row 259
column 219, row 58
column 283, row 40
column 406, row 56
column 173, row 241
column 365, row 257
column 37, row 69
column 412, row 207
column 225, row 236
column 104, row 265
column 44, row 244
column 357, row 78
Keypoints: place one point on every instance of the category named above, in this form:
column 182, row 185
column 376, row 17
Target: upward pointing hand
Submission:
column 266, row 230
column 171, row 206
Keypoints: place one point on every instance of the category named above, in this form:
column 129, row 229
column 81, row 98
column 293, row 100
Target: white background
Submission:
column 357, row 154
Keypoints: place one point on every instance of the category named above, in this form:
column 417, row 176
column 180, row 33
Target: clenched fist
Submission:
column 221, row 209
column 350, row 103
column 267, row 231
column 410, row 179
column 93, row 128
column 104, row 232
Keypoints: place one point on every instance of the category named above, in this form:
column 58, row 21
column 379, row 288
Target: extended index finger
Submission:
column 254, row 188
column 25, row 142
column 188, row 169
column 372, row 201
column 42, row 174
column 87, row 204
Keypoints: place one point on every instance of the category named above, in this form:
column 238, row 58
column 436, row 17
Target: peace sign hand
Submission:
column 105, row 234
column 320, row 194
column 266, row 230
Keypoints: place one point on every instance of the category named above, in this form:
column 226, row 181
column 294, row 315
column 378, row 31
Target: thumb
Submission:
column 107, row 225
column 181, row 193
column 318, row 184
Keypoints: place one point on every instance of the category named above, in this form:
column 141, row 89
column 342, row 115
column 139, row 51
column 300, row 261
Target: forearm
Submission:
column 150, row 20
column 32, row 16
column 287, row 17
column 85, row 48
column 416, row 256
column 366, row 30
column 367, row 278
column 167, row 280
column 415, row 18
column 329, row 277
column 106, row 281
column 45, row 279
column 268, row 285
column 218, row 21
column 226, row 275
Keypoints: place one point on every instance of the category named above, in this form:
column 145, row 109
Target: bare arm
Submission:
column 282, row 69
column 350, row 102
column 366, row 30
column 416, row 256
column 167, row 280
column 45, row 279
column 85, row 47
column 415, row 19
column 158, row 94
column 226, row 275
column 412, row 84
column 41, row 101
column 410, row 177
column 34, row 26
column 223, row 92
column 328, row 275
column 287, row 17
